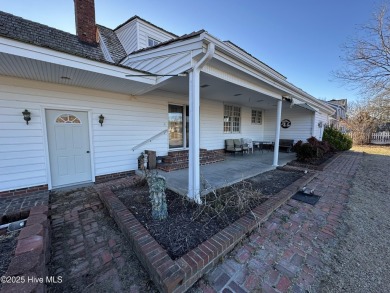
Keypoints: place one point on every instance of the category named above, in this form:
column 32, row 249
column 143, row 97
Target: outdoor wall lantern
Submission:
column 101, row 119
column 26, row 116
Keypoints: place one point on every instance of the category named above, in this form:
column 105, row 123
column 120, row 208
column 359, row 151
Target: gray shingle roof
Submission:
column 113, row 44
column 27, row 31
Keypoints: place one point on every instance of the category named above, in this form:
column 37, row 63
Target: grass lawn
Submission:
column 383, row 150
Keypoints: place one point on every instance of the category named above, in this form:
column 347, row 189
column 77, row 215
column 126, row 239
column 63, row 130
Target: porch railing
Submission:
column 149, row 139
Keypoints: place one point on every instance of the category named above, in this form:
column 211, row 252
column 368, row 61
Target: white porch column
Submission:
column 194, row 131
column 277, row 132
column 194, row 139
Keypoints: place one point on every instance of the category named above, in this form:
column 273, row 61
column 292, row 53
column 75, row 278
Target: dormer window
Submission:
column 152, row 42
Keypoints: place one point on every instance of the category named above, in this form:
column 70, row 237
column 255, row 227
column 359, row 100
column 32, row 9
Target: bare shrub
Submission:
column 229, row 203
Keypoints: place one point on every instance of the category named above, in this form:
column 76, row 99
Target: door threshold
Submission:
column 178, row 149
column 72, row 186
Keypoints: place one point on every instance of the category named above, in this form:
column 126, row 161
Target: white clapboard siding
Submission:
column 301, row 123
column 212, row 135
column 127, row 35
column 134, row 35
column 318, row 131
column 21, row 146
column 249, row 130
column 146, row 30
column 128, row 122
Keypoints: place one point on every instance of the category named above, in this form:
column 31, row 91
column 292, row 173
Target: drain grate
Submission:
column 307, row 198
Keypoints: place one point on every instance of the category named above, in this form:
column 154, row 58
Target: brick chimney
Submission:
column 85, row 21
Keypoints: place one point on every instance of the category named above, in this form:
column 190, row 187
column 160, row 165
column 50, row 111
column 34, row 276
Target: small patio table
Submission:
column 260, row 145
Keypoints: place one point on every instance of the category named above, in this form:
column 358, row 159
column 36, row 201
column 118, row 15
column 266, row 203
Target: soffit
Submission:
column 220, row 90
column 32, row 69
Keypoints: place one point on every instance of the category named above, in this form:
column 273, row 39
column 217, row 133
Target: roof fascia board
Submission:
column 242, row 56
column 278, row 80
column 242, row 67
column 21, row 49
column 124, row 26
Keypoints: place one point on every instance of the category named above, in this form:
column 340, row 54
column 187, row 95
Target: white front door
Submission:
column 69, row 153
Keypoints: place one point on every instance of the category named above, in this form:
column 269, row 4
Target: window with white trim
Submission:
column 231, row 119
column 257, row 117
column 153, row 42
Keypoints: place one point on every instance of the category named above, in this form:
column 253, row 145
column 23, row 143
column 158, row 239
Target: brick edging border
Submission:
column 179, row 275
column 32, row 253
column 23, row 191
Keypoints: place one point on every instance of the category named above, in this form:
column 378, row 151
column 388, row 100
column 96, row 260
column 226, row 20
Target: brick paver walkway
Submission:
column 88, row 250
column 285, row 253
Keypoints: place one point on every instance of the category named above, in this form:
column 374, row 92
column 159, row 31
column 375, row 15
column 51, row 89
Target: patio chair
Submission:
column 247, row 142
column 233, row 145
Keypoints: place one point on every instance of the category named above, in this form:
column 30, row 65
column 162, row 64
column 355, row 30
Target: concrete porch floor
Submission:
column 234, row 169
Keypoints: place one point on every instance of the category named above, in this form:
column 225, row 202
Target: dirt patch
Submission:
column 8, row 243
column 189, row 224
column 359, row 262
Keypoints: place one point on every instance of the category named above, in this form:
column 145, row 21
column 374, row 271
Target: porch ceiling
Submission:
column 32, row 69
column 221, row 90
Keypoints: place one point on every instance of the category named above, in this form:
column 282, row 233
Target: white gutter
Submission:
column 194, row 139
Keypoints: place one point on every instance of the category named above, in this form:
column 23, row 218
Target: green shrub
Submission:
column 311, row 150
column 306, row 152
column 336, row 139
column 297, row 145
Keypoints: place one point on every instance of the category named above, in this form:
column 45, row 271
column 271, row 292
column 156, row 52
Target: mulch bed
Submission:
column 314, row 162
column 7, row 249
column 189, row 224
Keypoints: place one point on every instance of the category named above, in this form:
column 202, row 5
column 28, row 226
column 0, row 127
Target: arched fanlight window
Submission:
column 68, row 118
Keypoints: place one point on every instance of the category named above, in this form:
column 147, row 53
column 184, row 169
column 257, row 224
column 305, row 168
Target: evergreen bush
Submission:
column 336, row 139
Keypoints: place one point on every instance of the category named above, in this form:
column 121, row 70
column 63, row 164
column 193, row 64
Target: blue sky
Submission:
column 301, row 39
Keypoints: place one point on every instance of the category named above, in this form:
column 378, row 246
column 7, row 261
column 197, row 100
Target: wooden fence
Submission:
column 376, row 138
column 381, row 137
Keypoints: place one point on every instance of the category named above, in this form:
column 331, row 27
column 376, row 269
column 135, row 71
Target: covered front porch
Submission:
column 232, row 170
column 229, row 94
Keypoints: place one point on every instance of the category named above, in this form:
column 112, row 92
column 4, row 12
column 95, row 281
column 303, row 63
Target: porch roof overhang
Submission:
column 296, row 102
column 230, row 64
column 27, row 61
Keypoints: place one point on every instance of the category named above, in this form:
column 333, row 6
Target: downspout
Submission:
column 194, row 139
